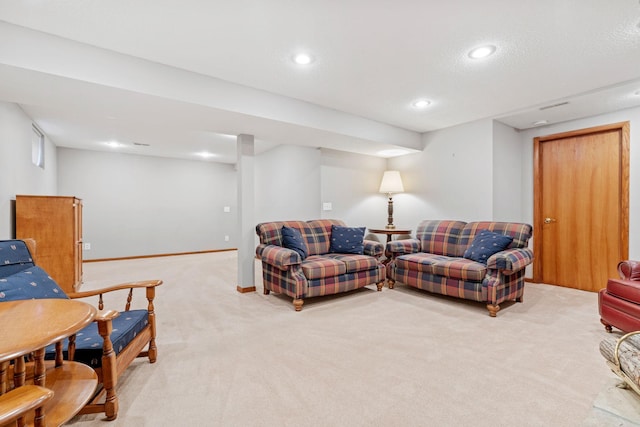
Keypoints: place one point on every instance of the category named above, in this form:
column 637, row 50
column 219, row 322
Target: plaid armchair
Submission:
column 438, row 261
column 321, row 272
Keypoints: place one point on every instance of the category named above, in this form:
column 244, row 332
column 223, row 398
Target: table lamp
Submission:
column 391, row 183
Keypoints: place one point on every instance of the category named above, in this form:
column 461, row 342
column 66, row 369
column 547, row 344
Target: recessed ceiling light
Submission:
column 421, row 103
column 205, row 154
column 540, row 122
column 114, row 144
column 303, row 59
column 482, row 51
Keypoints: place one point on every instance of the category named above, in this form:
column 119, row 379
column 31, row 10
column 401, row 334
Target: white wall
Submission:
column 288, row 184
column 633, row 116
column 18, row 175
column 350, row 182
column 141, row 205
column 507, row 173
column 452, row 178
column 292, row 183
column 468, row 172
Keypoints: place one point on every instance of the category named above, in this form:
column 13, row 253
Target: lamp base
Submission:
column 390, row 225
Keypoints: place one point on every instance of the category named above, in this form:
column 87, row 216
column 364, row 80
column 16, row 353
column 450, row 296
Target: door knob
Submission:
column 548, row 220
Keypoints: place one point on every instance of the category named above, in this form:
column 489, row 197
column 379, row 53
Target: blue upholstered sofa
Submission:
column 452, row 258
column 314, row 269
column 109, row 344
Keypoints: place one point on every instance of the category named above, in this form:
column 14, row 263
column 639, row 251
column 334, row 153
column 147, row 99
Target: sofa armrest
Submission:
column 278, row 256
column 629, row 270
column 510, row 260
column 373, row 248
column 400, row 247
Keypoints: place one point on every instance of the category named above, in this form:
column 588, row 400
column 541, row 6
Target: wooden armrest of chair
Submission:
column 19, row 401
column 128, row 285
column 149, row 285
column 105, row 315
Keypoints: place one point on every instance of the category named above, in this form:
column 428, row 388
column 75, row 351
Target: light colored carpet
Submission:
column 399, row 357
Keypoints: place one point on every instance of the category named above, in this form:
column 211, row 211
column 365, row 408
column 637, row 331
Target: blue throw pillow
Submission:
column 292, row 239
column 347, row 240
column 485, row 244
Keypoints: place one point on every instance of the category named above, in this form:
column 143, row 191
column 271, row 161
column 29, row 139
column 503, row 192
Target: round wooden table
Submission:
column 28, row 326
column 389, row 231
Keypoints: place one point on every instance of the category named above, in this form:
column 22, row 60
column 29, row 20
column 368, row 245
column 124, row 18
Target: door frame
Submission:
column 623, row 127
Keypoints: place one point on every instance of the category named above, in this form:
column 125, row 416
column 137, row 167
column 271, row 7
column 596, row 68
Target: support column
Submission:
column 246, row 222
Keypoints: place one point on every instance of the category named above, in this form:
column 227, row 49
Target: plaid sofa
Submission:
column 321, row 272
column 434, row 262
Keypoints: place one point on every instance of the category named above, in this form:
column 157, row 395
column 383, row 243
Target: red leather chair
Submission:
column 619, row 302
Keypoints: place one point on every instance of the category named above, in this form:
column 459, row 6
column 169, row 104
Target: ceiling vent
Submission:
column 140, row 144
column 560, row 104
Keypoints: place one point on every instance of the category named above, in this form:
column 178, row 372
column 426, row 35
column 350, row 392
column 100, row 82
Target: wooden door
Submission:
column 581, row 206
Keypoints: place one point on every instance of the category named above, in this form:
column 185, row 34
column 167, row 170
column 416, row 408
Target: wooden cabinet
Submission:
column 55, row 222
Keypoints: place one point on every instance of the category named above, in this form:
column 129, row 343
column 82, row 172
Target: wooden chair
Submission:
column 108, row 345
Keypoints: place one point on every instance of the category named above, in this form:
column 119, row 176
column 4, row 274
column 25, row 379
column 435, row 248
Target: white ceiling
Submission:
column 182, row 76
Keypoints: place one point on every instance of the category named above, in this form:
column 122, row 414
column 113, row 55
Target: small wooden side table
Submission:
column 28, row 326
column 389, row 231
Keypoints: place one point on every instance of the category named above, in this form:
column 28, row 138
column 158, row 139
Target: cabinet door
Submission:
column 77, row 214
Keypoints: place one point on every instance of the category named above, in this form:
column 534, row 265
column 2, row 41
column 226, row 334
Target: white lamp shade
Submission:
column 391, row 182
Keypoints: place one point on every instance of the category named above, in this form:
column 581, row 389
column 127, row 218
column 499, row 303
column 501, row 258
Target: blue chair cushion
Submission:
column 89, row 342
column 31, row 283
column 14, row 257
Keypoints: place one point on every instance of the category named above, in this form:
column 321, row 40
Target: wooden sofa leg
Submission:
column 391, row 283
column 266, row 291
column 493, row 309
column 607, row 326
column 520, row 299
column 380, row 285
column 297, row 303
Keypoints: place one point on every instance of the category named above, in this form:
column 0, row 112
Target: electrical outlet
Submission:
column 87, row 246
column 227, row 209
column 226, row 238
column 326, row 206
